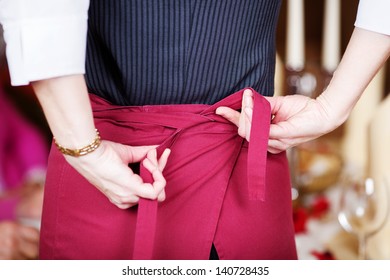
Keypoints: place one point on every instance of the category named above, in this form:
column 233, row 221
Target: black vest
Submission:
column 180, row 51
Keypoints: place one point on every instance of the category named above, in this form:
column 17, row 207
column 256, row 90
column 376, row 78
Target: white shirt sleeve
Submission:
column 44, row 38
column 374, row 15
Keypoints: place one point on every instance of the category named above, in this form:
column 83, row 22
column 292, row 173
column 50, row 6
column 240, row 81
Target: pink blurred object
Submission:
column 22, row 151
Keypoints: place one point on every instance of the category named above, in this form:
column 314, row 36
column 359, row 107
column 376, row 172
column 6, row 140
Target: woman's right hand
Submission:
column 298, row 119
column 107, row 169
column 18, row 242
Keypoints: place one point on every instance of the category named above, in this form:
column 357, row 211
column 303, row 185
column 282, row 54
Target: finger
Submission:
column 144, row 190
column 281, row 145
column 248, row 122
column 278, row 131
column 159, row 182
column 137, row 153
column 29, row 250
column 152, row 156
column 274, row 151
column 149, row 165
column 162, row 162
column 8, row 253
column 272, row 101
column 249, row 114
column 125, row 206
column 28, row 240
column 161, row 197
column 276, row 145
column 229, row 114
column 244, row 125
column 29, row 234
column 124, row 199
column 275, row 103
column 247, row 98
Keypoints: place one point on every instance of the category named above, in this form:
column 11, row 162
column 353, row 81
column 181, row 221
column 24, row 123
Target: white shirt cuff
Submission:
column 45, row 48
column 373, row 15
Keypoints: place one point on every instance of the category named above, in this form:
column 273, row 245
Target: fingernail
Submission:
column 248, row 92
column 167, row 151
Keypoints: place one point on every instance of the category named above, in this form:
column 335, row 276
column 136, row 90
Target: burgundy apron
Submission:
column 220, row 189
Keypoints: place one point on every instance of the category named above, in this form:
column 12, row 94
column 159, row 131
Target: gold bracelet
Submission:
column 82, row 151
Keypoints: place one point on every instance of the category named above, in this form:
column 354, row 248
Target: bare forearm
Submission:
column 67, row 109
column 366, row 52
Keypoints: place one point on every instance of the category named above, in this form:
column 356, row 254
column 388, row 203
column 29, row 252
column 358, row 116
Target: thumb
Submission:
column 229, row 114
column 273, row 100
column 135, row 153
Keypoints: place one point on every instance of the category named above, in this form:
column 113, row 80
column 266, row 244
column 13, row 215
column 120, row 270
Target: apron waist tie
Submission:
column 256, row 169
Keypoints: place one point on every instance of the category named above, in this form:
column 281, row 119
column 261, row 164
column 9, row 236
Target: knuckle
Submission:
column 241, row 132
column 154, row 196
column 120, row 200
column 133, row 199
column 162, row 182
column 162, row 197
column 136, row 179
column 122, row 206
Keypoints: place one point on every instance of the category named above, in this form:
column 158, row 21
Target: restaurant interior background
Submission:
column 338, row 179
column 321, row 169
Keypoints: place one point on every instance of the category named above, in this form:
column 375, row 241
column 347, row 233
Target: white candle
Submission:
column 295, row 47
column 279, row 76
column 331, row 36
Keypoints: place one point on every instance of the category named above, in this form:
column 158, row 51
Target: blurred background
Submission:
column 339, row 181
column 24, row 146
column 339, row 186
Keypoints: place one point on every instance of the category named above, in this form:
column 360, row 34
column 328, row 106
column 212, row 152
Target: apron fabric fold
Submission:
column 220, row 190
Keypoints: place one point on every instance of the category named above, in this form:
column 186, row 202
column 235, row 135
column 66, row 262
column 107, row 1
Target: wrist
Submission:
column 82, row 150
column 65, row 102
column 334, row 114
